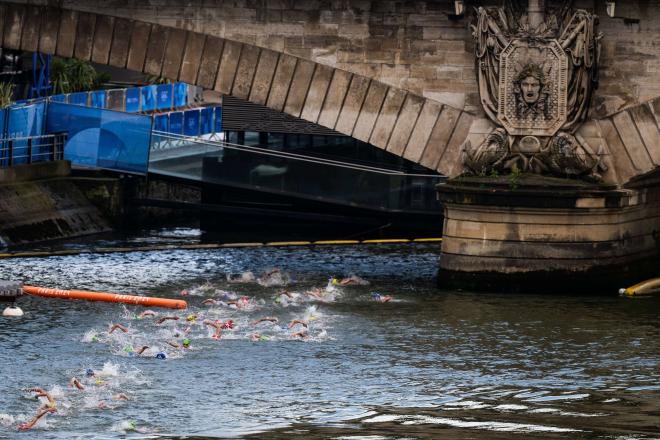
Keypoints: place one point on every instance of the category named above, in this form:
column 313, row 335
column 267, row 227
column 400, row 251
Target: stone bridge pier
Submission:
column 544, row 119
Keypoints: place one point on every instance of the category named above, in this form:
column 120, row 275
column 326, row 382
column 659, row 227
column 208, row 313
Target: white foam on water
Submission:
column 611, row 400
column 490, row 426
column 469, row 404
column 510, row 407
column 383, row 418
column 6, row 420
column 561, row 397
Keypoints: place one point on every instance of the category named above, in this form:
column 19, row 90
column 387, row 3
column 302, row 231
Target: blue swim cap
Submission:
column 161, row 355
column 89, row 372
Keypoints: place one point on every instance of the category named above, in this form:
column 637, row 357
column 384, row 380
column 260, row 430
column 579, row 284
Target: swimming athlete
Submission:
column 228, row 324
column 40, row 413
column 41, row 393
column 209, row 302
column 264, row 319
column 167, row 318
column 256, row 337
column 353, row 280
column 217, row 325
column 117, row 326
column 380, row 298
column 301, row 334
column 298, row 321
column 147, row 313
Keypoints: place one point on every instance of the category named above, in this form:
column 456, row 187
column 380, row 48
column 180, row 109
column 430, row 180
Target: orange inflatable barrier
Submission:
column 105, row 297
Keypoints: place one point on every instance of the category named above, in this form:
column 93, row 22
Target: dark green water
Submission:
column 428, row 364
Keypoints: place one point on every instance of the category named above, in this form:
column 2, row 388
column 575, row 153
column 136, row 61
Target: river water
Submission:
column 426, row 364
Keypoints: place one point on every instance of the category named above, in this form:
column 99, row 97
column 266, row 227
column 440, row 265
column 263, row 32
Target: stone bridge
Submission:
column 399, row 75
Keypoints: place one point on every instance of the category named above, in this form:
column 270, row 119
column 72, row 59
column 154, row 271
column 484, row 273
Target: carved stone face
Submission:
column 530, row 88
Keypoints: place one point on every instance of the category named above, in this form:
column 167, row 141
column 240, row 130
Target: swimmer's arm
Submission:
column 167, row 318
column 285, row 292
column 28, row 425
column 209, row 301
column 141, row 349
column 147, row 313
column 300, row 334
column 298, row 321
column 118, row 326
column 36, row 390
column 213, row 324
column 266, row 318
column 173, row 344
column 76, row 383
column 120, row 396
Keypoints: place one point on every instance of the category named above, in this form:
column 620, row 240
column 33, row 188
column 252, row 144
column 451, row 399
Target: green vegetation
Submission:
column 71, row 75
column 514, row 178
column 6, row 94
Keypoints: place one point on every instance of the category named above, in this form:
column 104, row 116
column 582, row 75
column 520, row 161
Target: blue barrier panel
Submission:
column 148, row 98
column 98, row 99
column 79, row 98
column 133, row 100
column 164, row 97
column 176, row 123
column 191, row 123
column 102, row 138
column 180, row 94
column 206, row 121
column 58, row 98
column 24, row 121
column 3, row 146
column 161, row 122
column 218, row 119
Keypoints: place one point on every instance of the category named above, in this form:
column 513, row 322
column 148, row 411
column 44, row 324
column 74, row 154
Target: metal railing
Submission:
column 28, row 150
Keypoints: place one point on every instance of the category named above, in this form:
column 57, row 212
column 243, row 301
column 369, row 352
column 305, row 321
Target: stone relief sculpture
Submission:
column 536, row 77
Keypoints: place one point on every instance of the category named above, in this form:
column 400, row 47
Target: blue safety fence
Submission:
column 144, row 99
column 102, row 138
column 21, row 122
column 194, row 122
column 18, row 151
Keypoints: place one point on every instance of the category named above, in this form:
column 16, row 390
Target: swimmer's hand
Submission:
column 118, row 326
column 298, row 321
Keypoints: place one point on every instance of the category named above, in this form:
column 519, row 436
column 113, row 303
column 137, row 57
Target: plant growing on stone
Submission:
column 71, row 75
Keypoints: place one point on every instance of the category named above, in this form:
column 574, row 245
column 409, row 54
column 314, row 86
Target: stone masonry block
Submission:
column 317, row 92
column 247, row 67
column 13, row 26
column 370, row 110
column 231, row 54
column 208, row 67
column 263, row 76
column 404, row 125
column 50, row 24
column 121, row 40
column 389, row 113
column 299, row 86
column 422, row 131
column 334, row 98
column 85, row 36
column 352, row 104
column 103, row 39
column 192, row 57
column 280, row 85
column 137, row 51
column 153, row 64
column 66, row 38
column 176, row 46
column 440, row 135
column 31, row 25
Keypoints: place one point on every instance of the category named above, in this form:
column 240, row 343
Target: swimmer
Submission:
column 243, row 301
column 301, row 334
column 209, row 302
column 167, row 318
column 41, row 393
column 228, row 324
column 120, row 396
column 147, row 313
column 315, row 293
column 117, row 326
column 264, row 319
column 90, row 373
column 380, row 298
column 353, row 280
column 285, row 293
column 256, row 337
column 76, row 383
column 161, row 355
column 40, row 413
column 184, row 292
column 191, row 317
column 141, row 350
column 298, row 321
column 217, row 325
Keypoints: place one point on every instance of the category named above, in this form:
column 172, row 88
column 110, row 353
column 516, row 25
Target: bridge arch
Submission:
column 407, row 125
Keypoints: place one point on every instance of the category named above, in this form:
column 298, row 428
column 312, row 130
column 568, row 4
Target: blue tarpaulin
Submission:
column 191, row 123
column 206, row 121
column 180, row 95
column 218, row 119
column 132, row 100
column 79, row 98
column 102, row 138
column 161, row 122
column 165, row 98
column 148, row 98
column 24, row 121
column 176, row 123
column 98, row 99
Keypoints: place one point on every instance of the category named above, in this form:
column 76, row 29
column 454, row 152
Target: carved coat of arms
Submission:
column 536, row 86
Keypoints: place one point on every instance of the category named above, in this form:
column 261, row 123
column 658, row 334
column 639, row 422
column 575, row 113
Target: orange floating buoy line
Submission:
column 105, row 297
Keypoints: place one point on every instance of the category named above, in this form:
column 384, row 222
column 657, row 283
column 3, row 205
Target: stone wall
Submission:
column 412, row 45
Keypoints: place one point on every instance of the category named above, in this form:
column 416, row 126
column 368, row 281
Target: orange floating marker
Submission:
column 105, row 297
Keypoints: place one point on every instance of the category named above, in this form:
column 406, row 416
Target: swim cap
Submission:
column 190, row 317
column 98, row 381
column 161, row 355
column 334, row 280
column 130, row 424
column 186, row 342
column 264, row 338
column 128, row 349
column 89, row 372
column 95, row 338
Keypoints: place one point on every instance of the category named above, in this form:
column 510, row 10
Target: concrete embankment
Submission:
column 40, row 202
